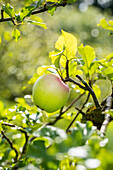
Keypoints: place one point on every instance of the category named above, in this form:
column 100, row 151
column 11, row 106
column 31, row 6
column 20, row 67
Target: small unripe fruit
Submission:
column 50, row 93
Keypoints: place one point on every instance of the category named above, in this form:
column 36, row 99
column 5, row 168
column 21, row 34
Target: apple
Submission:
column 50, row 93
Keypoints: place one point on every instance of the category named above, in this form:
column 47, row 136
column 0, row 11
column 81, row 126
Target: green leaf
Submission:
column 51, row 10
column 57, row 62
column 93, row 68
column 36, row 18
column 42, row 69
column 71, row 1
column 108, row 72
column 97, row 90
column 37, row 149
column 73, row 71
column 16, row 34
column 68, row 41
column 26, row 11
column 105, row 25
column 43, row 25
column 8, row 9
column 88, row 55
column 54, row 55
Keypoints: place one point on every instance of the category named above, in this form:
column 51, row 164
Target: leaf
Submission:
column 93, row 68
column 0, row 40
column 88, row 55
column 108, row 72
column 73, row 71
column 71, row 1
column 105, row 25
column 33, row 79
column 36, row 18
column 109, row 57
column 8, row 9
column 26, row 11
column 57, row 62
column 43, row 25
column 41, row 70
column 51, row 10
column 97, row 90
column 37, row 149
column 16, row 34
column 69, row 42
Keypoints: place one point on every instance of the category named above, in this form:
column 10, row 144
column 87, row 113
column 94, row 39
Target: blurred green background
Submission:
column 20, row 60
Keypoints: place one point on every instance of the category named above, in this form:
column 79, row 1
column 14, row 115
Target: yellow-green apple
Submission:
column 50, row 93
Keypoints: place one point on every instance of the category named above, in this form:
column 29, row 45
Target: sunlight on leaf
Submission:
column 16, row 34
column 88, row 55
column 43, row 25
column 68, row 41
column 106, row 25
column 97, row 90
column 8, row 9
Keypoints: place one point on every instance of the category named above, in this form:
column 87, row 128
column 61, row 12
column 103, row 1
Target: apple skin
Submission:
column 50, row 93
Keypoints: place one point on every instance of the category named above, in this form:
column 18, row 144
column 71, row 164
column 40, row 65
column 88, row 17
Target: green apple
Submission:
column 50, row 93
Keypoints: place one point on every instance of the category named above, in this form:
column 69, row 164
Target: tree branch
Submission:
column 2, row 14
column 107, row 116
column 11, row 145
column 73, row 102
column 25, row 144
column 67, row 69
column 79, row 111
column 88, row 88
column 44, row 9
column 21, row 130
column 75, row 82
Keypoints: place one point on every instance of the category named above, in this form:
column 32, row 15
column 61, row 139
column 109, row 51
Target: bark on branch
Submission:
column 107, row 116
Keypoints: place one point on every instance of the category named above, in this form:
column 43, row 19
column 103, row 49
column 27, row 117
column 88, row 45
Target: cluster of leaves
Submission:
column 32, row 138
column 46, row 146
column 8, row 13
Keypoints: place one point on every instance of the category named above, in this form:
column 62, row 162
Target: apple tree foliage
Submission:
column 79, row 135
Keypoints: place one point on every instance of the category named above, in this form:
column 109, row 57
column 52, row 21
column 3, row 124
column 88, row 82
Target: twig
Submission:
column 35, row 12
column 57, row 118
column 8, row 124
column 11, row 145
column 2, row 14
column 74, row 101
column 90, row 91
column 107, row 116
column 86, row 101
column 72, row 122
column 21, row 130
column 67, row 69
column 79, row 111
column 75, row 82
column 25, row 144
